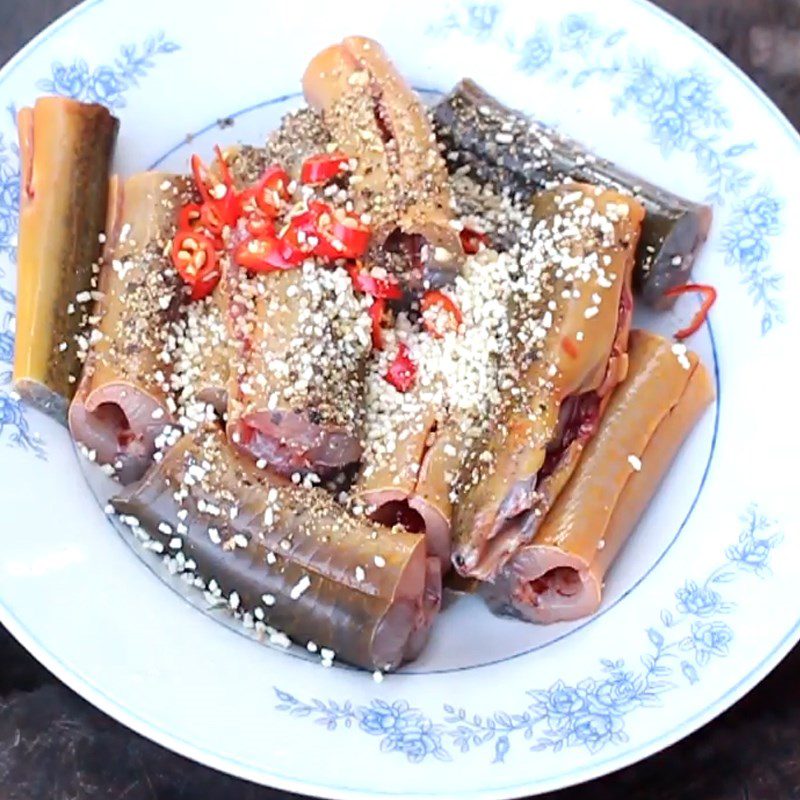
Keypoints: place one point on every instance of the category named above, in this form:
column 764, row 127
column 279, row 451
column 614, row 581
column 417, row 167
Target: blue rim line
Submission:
column 594, row 769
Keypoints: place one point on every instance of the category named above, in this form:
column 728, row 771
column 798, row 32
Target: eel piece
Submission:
column 124, row 399
column 287, row 555
column 66, row 148
column 572, row 352
column 400, row 177
column 559, row 575
column 507, row 149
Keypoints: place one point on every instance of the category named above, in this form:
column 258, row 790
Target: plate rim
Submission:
column 574, row 777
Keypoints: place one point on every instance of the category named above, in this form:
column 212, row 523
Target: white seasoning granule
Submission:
column 377, row 676
column 175, row 543
column 234, row 600
column 268, row 599
column 271, row 558
column 165, row 528
column 635, row 462
column 360, row 574
column 312, row 647
column 590, row 312
column 300, row 587
column 380, row 561
column 213, row 534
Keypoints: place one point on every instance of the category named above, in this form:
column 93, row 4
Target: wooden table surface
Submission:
column 55, row 746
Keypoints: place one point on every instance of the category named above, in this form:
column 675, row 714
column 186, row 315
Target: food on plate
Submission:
column 327, row 369
column 376, row 118
column 571, row 351
column 296, row 397
column 510, row 149
column 124, row 399
column 288, row 557
column 559, row 574
column 66, row 149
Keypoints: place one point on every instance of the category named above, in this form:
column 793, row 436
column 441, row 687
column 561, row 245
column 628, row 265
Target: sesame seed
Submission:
column 635, row 462
column 300, row 587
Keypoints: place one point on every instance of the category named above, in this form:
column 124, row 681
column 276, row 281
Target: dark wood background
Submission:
column 54, row 746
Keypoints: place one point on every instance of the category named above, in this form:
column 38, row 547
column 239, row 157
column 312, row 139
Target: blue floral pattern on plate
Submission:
column 592, row 713
column 681, row 110
column 106, row 84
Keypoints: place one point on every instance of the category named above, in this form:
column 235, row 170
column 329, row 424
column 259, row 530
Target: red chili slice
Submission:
column 353, row 235
column 262, row 255
column 376, row 312
column 387, row 288
column 437, row 299
column 709, row 294
column 259, row 226
column 194, row 257
column 294, row 245
column 272, row 190
column 402, row 373
column 324, row 167
column 215, row 215
column 202, row 177
column 227, row 178
column 189, row 217
column 471, row 241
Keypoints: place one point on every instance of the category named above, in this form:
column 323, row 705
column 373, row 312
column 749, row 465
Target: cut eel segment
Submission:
column 563, row 385
column 400, row 177
column 66, row 148
column 123, row 401
column 412, row 485
column 513, row 152
column 290, row 556
column 559, row 576
column 296, row 391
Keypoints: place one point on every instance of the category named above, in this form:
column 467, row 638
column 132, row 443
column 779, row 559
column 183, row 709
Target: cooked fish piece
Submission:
column 510, row 150
column 570, row 357
column 124, row 399
column 66, row 149
column 400, row 178
column 288, row 555
column 559, row 575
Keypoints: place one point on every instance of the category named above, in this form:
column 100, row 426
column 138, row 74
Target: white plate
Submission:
column 701, row 605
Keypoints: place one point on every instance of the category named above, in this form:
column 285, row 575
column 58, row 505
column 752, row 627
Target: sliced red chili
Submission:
column 189, row 217
column 262, row 255
column 324, row 167
column 272, row 190
column 227, row 178
column 215, row 215
column 259, row 226
column 294, row 245
column 376, row 312
column 471, row 241
column 570, row 347
column 353, row 235
column 402, row 373
column 387, row 288
column 709, row 294
column 195, row 259
column 202, row 177
column 439, row 300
